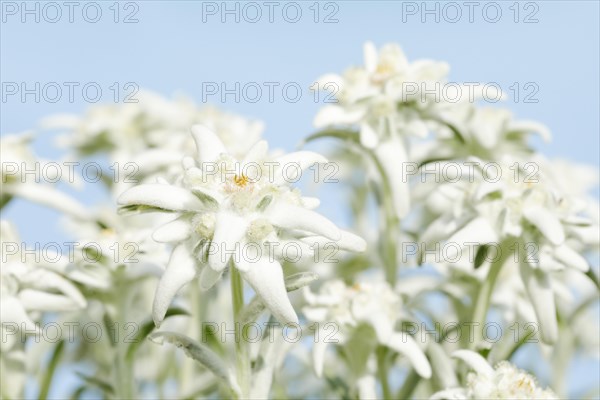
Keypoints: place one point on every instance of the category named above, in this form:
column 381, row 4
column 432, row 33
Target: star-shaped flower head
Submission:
column 28, row 287
column 18, row 181
column 236, row 212
column 384, row 96
column 372, row 303
column 505, row 381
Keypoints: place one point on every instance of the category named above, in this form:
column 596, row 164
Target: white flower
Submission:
column 224, row 206
column 504, row 381
column 374, row 304
column 238, row 134
column 488, row 133
column 523, row 207
column 27, row 287
column 107, row 241
column 137, row 125
column 18, row 158
column 377, row 96
column 385, row 100
column 150, row 133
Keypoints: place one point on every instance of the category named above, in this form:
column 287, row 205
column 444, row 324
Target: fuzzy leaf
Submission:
column 147, row 327
column 200, row 353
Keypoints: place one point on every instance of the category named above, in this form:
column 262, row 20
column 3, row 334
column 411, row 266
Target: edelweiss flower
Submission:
column 377, row 96
column 17, row 158
column 384, row 98
column 30, row 287
column 107, row 241
column 373, row 304
column 523, row 207
column 241, row 211
column 485, row 132
column 132, row 127
column 503, row 382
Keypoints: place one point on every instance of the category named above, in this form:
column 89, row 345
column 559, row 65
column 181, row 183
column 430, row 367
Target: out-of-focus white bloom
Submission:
column 107, row 241
column 519, row 201
column 150, row 134
column 386, row 99
column 488, row 133
column 17, row 158
column 384, row 96
column 243, row 206
column 519, row 204
column 505, row 381
column 144, row 122
column 374, row 304
column 28, row 287
column 237, row 133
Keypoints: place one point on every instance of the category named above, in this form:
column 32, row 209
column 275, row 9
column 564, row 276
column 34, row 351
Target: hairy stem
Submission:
column 382, row 371
column 123, row 370
column 482, row 301
column 241, row 348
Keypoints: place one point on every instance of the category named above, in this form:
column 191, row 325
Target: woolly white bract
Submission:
column 465, row 247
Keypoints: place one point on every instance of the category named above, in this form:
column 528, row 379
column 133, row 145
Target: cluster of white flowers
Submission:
column 505, row 381
column 474, row 226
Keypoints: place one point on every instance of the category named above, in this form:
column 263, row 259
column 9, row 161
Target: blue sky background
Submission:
column 171, row 50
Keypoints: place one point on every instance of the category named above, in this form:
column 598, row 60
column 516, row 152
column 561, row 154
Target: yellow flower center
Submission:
column 241, row 181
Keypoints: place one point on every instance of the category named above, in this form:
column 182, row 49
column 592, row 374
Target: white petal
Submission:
column 177, row 230
column 167, row 197
column 368, row 136
column 151, row 159
column 541, row 295
column 181, row 269
column 208, row 144
column 256, row 152
column 289, row 165
column 351, row 242
column 311, row 202
column 288, row 216
column 43, row 279
column 546, row 222
column 348, row 242
column 475, row 361
column 12, row 312
column 230, row 229
column 334, row 115
column 570, row 257
column 367, row 387
column 50, row 197
column 404, row 344
column 266, row 278
column 450, row 394
column 35, row 300
column 208, row 277
column 477, row 231
column 532, row 126
column 370, row 56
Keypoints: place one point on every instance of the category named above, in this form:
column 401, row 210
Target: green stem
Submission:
column 382, row 371
column 409, row 386
column 45, row 386
column 124, row 369
column 482, row 302
column 242, row 353
column 390, row 222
